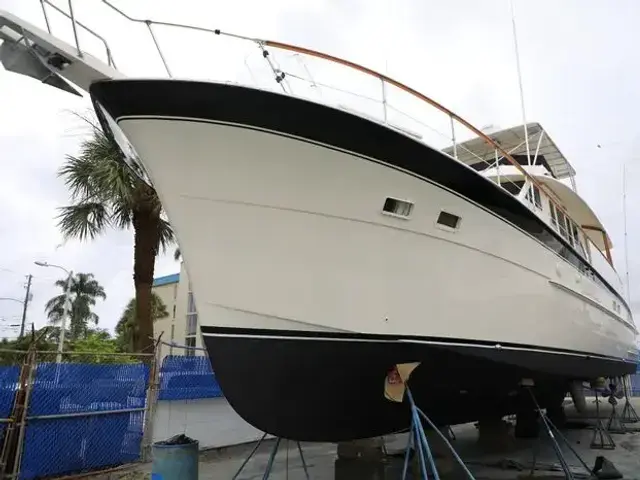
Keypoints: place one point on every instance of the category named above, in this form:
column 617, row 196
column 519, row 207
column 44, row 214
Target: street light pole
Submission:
column 66, row 307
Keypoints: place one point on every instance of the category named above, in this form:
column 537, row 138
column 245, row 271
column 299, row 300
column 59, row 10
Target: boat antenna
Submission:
column 524, row 117
column 624, row 214
column 624, row 222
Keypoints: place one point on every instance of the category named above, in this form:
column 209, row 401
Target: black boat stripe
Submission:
column 304, row 119
column 214, row 331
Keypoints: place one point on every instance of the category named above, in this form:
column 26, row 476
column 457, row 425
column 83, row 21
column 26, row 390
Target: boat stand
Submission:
column 629, row 414
column 418, row 442
column 614, row 424
column 554, row 434
column 272, row 457
column 601, row 438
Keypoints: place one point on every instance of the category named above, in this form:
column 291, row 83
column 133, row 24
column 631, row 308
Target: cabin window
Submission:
column 554, row 218
column 575, row 235
column 513, row 188
column 562, row 225
column 397, row 207
column 533, row 196
column 449, row 220
column 567, row 228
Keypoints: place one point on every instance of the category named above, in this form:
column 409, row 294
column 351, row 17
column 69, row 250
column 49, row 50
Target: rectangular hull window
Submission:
column 397, row 207
column 449, row 220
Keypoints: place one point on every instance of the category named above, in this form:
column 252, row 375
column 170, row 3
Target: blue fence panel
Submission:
column 64, row 434
column 9, row 377
column 187, row 378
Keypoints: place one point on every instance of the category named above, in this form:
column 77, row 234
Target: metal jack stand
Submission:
column 629, row 414
column 272, row 457
column 601, row 438
column 614, row 424
column 418, row 440
column 551, row 428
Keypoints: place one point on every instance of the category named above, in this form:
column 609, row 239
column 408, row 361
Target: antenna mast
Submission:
column 624, row 214
column 524, row 117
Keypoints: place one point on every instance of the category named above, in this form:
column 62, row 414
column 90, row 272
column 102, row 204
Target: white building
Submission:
column 181, row 326
column 210, row 420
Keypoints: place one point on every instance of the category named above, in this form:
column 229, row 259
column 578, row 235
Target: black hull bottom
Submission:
column 331, row 389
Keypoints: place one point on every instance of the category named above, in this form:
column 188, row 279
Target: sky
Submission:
column 579, row 81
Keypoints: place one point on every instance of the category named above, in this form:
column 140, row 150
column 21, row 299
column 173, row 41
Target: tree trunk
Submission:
column 146, row 237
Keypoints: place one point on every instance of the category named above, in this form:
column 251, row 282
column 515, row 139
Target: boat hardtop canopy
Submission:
column 478, row 154
column 577, row 208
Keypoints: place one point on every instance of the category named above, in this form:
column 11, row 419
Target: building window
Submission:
column 192, row 324
column 190, row 342
column 191, row 304
column 192, row 316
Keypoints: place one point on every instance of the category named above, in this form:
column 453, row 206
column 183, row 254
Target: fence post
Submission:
column 14, row 437
column 7, row 453
column 152, row 401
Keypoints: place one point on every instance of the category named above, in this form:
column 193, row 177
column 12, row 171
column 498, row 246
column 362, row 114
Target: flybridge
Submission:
column 476, row 153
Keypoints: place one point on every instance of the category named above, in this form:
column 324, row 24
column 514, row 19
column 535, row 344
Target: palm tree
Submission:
column 177, row 254
column 106, row 194
column 127, row 327
column 84, row 290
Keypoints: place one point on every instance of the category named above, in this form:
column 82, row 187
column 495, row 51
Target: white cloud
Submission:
column 579, row 82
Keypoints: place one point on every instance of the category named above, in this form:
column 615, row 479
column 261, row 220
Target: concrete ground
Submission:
column 509, row 460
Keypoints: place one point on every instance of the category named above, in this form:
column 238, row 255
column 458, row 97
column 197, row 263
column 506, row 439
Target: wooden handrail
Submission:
column 368, row 71
column 383, row 78
column 451, row 114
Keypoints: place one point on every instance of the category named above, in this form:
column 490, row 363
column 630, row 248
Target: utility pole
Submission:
column 27, row 297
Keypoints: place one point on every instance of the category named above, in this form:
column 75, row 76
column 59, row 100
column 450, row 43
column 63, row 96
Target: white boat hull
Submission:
column 285, row 240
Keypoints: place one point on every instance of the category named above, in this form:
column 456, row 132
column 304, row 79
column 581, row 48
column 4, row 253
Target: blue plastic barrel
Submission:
column 175, row 461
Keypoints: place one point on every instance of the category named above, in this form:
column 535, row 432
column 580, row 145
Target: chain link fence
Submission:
column 187, row 378
column 92, row 411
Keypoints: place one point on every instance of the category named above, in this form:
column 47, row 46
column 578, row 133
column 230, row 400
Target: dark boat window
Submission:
column 512, row 187
column 533, row 196
column 565, row 227
column 449, row 220
column 397, row 207
column 554, row 218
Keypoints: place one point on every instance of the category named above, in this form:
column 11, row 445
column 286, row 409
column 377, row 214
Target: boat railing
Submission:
column 321, row 77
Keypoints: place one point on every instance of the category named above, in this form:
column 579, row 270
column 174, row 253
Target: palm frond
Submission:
column 85, row 220
column 166, row 237
column 177, row 254
column 122, row 214
column 114, row 179
column 78, row 177
column 84, row 291
column 54, row 308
